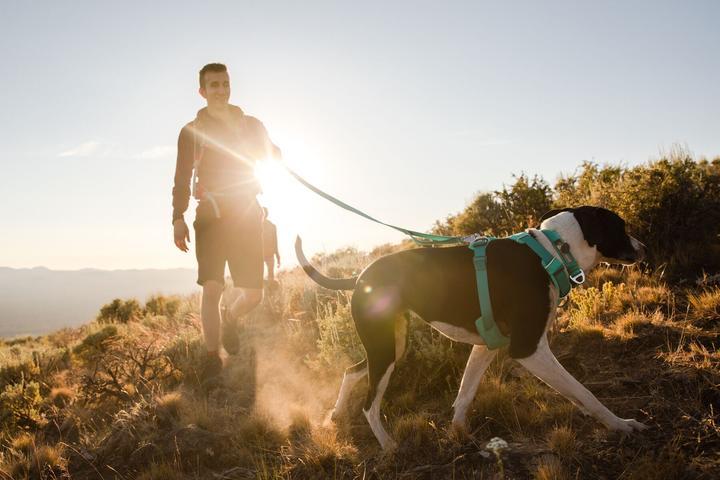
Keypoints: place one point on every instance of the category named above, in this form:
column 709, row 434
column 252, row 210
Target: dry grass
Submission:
column 169, row 407
column 61, row 396
column 23, row 443
column 550, row 467
column 197, row 411
column 705, row 306
column 415, row 432
column 646, row 350
column 162, row 471
column 42, row 462
column 626, row 324
column 320, row 455
column 665, row 464
column 563, row 441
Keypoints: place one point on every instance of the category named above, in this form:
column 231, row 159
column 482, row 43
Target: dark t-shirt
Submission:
column 227, row 152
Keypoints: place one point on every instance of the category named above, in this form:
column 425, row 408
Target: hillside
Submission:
column 120, row 398
column 123, row 400
column 36, row 301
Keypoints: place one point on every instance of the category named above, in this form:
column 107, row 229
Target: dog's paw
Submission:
column 627, row 425
column 639, row 426
column 459, row 431
column 388, row 445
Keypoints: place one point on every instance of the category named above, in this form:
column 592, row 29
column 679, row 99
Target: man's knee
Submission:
column 253, row 296
column 212, row 290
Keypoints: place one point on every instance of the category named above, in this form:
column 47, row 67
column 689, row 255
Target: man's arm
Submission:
column 181, row 188
column 183, row 173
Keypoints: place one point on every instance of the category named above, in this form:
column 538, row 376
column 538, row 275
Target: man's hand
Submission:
column 181, row 234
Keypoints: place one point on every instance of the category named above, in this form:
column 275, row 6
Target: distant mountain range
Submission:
column 35, row 301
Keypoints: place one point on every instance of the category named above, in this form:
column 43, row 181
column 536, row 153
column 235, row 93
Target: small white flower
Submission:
column 496, row 444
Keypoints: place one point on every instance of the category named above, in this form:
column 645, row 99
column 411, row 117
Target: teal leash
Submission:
column 423, row 239
column 563, row 272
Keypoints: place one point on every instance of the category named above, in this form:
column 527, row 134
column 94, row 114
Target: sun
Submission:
column 289, row 203
column 272, row 177
column 282, row 196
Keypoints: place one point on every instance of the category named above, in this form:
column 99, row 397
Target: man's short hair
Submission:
column 210, row 67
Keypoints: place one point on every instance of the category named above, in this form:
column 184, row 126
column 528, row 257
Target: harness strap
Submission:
column 562, row 270
column 486, row 326
column 198, row 191
column 198, row 152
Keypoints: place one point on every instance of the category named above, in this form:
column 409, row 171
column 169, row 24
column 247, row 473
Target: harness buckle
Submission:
column 578, row 278
column 471, row 238
column 480, row 242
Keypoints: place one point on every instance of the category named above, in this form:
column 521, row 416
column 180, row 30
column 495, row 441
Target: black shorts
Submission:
column 235, row 238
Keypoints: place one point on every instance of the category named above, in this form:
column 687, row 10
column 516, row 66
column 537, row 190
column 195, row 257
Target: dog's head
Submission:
column 604, row 230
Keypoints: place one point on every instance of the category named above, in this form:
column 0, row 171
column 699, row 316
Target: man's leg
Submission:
column 241, row 302
column 210, row 314
column 210, row 317
column 245, row 261
column 270, row 263
column 245, row 303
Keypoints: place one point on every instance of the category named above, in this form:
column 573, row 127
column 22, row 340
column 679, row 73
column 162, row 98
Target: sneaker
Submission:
column 229, row 332
column 211, row 367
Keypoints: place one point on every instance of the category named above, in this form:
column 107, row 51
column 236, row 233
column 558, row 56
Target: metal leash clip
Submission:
column 579, row 278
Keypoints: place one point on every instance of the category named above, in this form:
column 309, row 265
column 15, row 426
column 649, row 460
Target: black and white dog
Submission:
column 439, row 285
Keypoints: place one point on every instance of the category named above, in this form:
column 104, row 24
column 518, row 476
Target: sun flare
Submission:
column 272, row 177
column 287, row 201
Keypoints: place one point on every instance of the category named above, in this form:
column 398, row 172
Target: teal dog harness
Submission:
column 563, row 270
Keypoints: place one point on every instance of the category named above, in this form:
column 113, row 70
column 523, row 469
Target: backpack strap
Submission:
column 198, row 151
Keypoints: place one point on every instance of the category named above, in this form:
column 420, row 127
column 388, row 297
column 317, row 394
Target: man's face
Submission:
column 216, row 89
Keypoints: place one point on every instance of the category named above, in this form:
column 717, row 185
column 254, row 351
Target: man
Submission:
column 218, row 151
column 270, row 248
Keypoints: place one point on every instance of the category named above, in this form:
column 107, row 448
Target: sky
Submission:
column 405, row 110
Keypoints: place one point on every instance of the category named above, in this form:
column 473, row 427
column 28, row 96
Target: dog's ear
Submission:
column 552, row 213
column 590, row 221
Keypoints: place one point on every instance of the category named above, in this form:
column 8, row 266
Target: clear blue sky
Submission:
column 404, row 109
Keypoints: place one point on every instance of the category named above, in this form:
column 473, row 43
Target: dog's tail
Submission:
column 319, row 278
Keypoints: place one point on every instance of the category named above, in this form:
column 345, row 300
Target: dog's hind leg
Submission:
column 358, row 371
column 352, row 376
column 543, row 364
column 379, row 337
column 378, row 378
column 479, row 360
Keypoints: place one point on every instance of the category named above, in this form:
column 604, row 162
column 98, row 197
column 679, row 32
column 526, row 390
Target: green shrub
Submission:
column 503, row 212
column 120, row 311
column 20, row 405
column 672, row 205
column 160, row 305
column 337, row 337
column 96, row 343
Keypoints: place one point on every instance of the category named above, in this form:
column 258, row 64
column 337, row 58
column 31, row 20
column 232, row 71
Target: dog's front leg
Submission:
column 479, row 360
column 545, row 366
